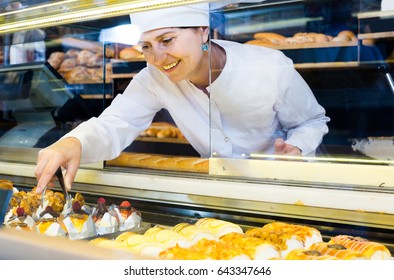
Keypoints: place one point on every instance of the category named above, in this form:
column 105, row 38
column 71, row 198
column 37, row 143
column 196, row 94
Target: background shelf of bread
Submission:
column 83, row 62
column 302, row 40
column 162, row 132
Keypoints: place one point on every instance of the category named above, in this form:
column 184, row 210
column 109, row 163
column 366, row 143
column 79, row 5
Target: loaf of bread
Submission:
column 68, row 64
column 130, row 53
column 162, row 130
column 270, row 37
column 345, row 36
column 72, row 53
column 84, row 56
column 160, row 162
column 55, row 59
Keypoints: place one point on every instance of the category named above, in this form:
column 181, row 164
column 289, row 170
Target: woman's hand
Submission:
column 66, row 153
column 282, row 148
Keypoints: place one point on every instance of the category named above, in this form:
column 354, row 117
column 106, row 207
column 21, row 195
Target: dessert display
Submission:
column 207, row 239
column 273, row 241
column 370, row 250
column 53, row 216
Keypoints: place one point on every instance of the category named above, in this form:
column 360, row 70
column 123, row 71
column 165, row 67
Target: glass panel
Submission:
column 51, row 80
column 258, row 98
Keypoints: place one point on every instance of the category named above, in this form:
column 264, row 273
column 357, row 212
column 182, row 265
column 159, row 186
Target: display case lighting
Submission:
column 19, row 20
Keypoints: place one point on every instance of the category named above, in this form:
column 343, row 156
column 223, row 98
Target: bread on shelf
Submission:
column 160, row 162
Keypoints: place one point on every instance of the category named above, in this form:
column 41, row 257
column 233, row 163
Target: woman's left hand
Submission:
column 285, row 149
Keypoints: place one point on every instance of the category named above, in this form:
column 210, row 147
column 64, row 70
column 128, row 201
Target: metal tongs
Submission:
column 67, row 197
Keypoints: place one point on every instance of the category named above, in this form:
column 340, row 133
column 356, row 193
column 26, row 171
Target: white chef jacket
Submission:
column 258, row 97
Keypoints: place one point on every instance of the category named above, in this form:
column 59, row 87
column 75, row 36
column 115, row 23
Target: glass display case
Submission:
column 70, row 67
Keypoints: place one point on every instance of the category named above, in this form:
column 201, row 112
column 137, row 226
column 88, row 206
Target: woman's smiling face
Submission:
column 177, row 52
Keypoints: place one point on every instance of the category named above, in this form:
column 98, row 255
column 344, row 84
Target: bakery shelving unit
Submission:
column 376, row 31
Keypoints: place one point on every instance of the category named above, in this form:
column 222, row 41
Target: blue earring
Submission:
column 204, row 47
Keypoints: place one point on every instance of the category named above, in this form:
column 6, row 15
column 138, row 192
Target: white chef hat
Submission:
column 180, row 16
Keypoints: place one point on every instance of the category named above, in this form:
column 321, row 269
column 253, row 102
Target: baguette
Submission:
column 160, row 162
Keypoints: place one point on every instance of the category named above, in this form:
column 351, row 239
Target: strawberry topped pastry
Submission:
column 129, row 217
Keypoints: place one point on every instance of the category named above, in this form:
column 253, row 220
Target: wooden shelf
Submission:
column 162, row 140
column 117, row 60
column 310, row 45
column 377, row 35
column 122, row 76
column 327, row 65
column 375, row 14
